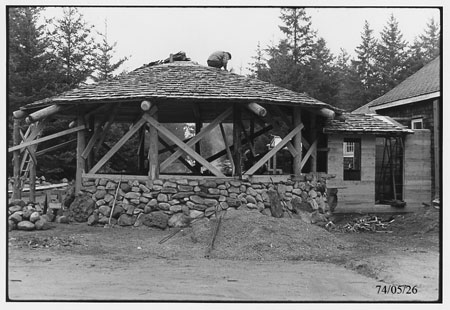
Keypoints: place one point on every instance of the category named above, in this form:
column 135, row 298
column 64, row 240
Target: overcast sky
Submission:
column 148, row 34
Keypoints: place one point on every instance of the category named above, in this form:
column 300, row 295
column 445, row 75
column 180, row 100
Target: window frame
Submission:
column 417, row 120
column 353, row 174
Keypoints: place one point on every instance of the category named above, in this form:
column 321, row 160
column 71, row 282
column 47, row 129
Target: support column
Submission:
column 153, row 156
column 436, row 147
column 17, row 193
column 313, row 135
column 297, row 139
column 90, row 158
column 140, row 152
column 81, row 144
column 32, row 179
column 237, row 132
column 198, row 128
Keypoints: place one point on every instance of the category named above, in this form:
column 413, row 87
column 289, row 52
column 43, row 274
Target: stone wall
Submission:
column 197, row 198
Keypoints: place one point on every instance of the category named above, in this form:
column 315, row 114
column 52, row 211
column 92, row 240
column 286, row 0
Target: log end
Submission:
column 146, row 105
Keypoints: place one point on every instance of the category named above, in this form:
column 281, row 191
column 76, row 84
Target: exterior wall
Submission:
column 404, row 113
column 195, row 198
column 352, row 192
column 417, row 168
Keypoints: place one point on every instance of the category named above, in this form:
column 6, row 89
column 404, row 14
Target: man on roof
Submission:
column 219, row 59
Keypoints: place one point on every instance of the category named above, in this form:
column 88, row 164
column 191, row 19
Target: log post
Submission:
column 313, row 135
column 297, row 160
column 16, row 160
column 140, row 152
column 81, row 144
column 237, row 132
column 198, row 128
column 153, row 156
column 436, row 148
column 32, row 178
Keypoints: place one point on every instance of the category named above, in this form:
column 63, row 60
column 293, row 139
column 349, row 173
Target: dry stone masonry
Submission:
column 162, row 203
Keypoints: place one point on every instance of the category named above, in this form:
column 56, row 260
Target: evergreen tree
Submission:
column 391, row 56
column 350, row 89
column 320, row 75
column 29, row 63
column 73, row 46
column 104, row 62
column 259, row 68
column 300, row 36
column 430, row 41
column 365, row 65
column 425, row 48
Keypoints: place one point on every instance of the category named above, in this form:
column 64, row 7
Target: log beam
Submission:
column 42, row 113
column 257, row 109
column 308, row 154
column 55, row 147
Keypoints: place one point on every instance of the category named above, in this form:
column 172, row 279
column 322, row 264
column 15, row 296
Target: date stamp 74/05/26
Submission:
column 397, row 289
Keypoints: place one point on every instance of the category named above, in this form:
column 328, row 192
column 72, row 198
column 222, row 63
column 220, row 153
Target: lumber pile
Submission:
column 367, row 223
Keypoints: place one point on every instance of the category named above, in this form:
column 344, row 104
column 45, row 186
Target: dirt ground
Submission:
column 255, row 258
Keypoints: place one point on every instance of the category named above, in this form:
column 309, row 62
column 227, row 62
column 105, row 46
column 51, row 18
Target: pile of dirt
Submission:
column 423, row 221
column 247, row 235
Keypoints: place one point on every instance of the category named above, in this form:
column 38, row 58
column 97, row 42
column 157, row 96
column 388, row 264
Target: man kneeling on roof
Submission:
column 219, row 59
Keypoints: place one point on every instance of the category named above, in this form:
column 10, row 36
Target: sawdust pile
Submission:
column 253, row 236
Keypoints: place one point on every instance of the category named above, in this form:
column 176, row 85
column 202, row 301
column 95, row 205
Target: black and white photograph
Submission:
column 234, row 154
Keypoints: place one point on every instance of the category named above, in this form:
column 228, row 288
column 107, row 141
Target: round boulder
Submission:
column 25, row 225
column 34, row 217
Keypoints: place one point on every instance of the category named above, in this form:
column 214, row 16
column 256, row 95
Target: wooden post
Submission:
column 140, row 151
column 198, row 128
column 237, row 132
column 92, row 127
column 297, row 160
column 32, row 179
column 16, row 160
column 436, row 147
column 81, row 144
column 153, row 156
column 313, row 135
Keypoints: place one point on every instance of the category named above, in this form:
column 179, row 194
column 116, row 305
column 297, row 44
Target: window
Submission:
column 417, row 123
column 352, row 159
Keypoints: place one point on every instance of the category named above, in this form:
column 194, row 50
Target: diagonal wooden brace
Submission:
column 205, row 130
column 272, row 152
column 183, row 146
column 309, row 153
column 118, row 145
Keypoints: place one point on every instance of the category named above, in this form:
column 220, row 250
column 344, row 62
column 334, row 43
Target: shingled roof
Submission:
column 181, row 80
column 425, row 81
column 365, row 124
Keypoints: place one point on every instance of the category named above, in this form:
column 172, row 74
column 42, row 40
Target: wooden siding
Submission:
column 352, row 192
column 418, row 167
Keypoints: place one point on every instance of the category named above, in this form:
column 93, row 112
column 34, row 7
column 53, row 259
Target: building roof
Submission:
column 365, row 124
column 425, row 81
column 181, row 80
